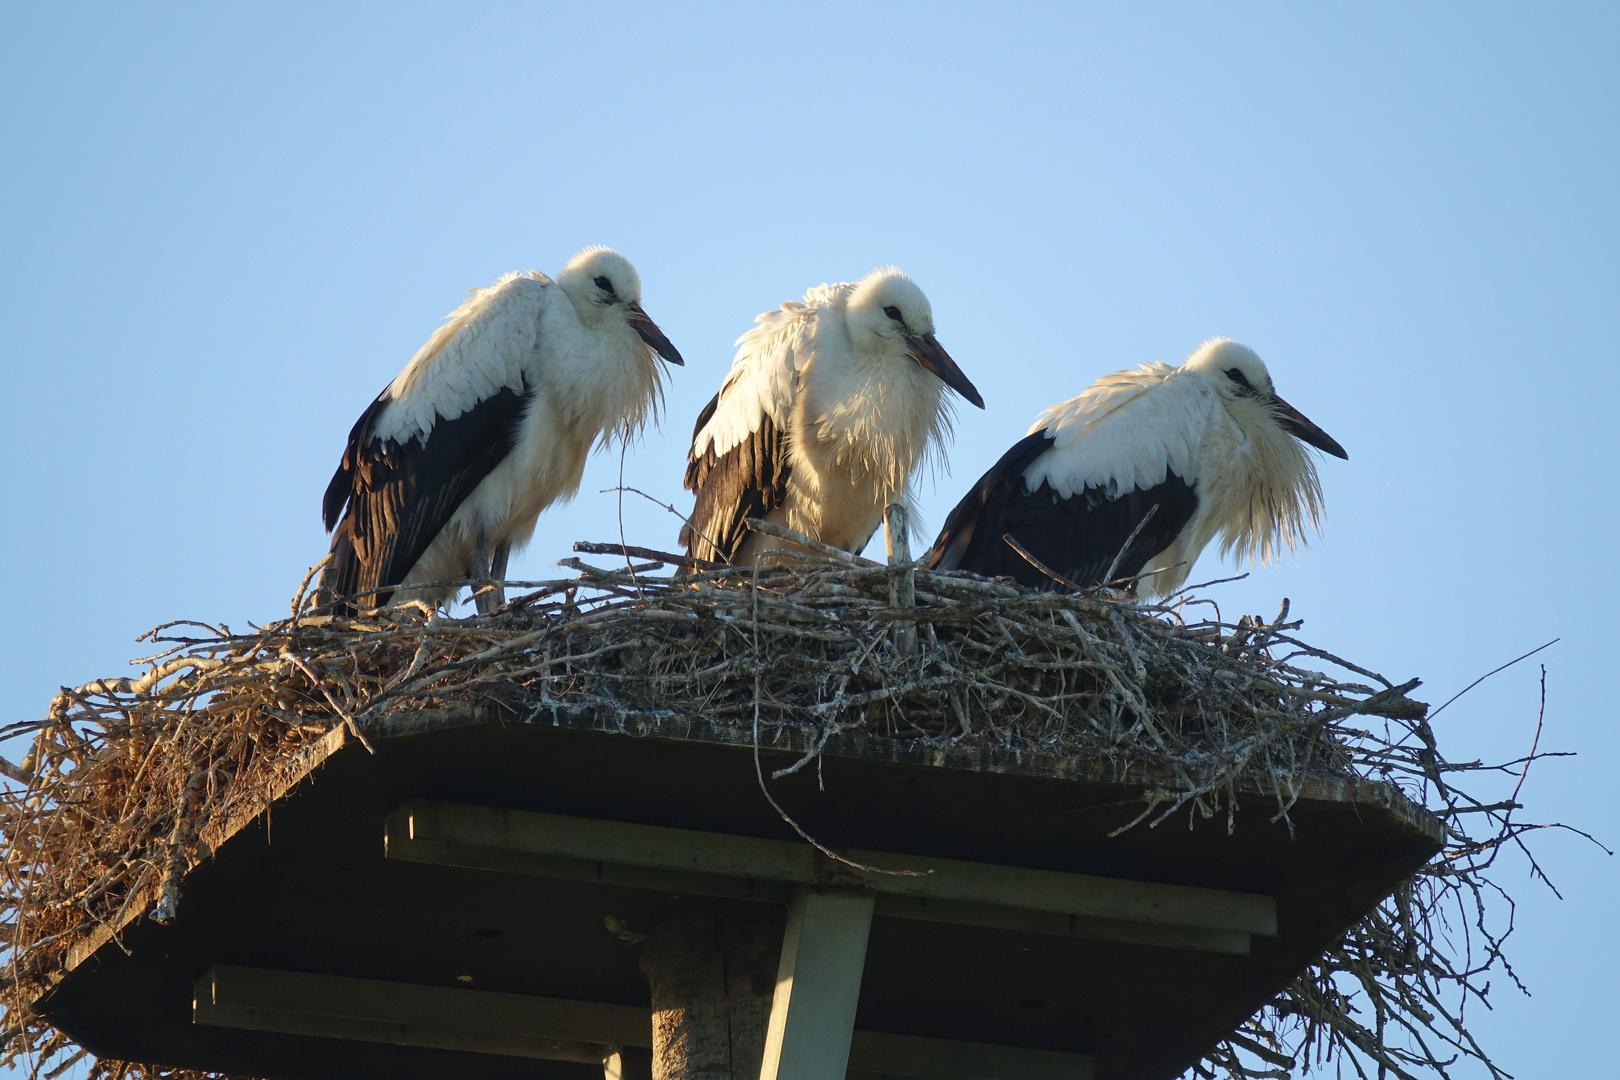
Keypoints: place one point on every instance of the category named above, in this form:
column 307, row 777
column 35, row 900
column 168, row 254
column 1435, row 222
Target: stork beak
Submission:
column 927, row 351
column 1295, row 423
column 641, row 324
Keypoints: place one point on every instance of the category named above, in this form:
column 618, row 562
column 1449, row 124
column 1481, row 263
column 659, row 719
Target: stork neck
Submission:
column 604, row 376
column 1258, row 485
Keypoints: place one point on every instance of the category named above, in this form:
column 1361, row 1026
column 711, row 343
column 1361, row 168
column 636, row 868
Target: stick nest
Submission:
column 130, row 782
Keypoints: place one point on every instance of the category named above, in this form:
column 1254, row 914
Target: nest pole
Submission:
column 711, row 970
column 902, row 575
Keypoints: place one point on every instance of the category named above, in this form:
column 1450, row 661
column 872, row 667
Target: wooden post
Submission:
column 903, row 578
column 326, row 595
column 818, row 985
column 709, row 968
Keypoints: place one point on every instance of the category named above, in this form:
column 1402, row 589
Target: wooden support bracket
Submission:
column 818, row 985
column 745, row 867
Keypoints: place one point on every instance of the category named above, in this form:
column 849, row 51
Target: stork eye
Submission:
column 1238, row 377
column 894, row 313
column 604, row 284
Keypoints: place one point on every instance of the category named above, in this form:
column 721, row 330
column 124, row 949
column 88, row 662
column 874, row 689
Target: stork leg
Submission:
column 497, row 574
column 479, row 571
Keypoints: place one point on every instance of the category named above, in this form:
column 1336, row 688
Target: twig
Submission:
column 759, row 772
column 1491, row 672
column 354, row 728
column 619, row 495
column 668, row 557
column 1108, row 577
column 303, row 586
column 667, row 506
column 1037, row 564
column 1535, row 741
column 772, row 529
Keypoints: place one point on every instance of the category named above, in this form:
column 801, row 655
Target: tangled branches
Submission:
column 130, row 782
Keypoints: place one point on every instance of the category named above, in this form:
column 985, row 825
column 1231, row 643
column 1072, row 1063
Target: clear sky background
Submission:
column 226, row 227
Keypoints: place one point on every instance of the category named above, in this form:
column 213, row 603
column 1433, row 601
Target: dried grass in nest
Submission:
column 130, row 781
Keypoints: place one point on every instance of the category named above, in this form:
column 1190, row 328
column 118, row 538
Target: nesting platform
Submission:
column 468, row 901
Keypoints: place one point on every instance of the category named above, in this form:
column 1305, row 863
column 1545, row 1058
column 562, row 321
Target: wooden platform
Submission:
column 469, row 902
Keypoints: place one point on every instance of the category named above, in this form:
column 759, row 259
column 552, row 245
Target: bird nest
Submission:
column 131, row 781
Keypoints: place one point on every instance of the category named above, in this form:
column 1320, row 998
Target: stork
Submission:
column 1132, row 478
column 488, row 424
column 829, row 406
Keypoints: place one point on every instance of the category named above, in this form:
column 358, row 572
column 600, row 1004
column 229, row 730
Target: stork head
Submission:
column 1244, row 386
column 890, row 317
column 603, row 286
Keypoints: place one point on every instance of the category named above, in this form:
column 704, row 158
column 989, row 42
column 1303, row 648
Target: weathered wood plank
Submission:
column 818, row 985
column 1057, row 924
column 494, row 838
column 411, row 1014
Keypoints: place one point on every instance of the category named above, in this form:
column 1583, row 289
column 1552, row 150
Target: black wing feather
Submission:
column 399, row 495
column 341, row 488
column 747, row 481
column 1078, row 537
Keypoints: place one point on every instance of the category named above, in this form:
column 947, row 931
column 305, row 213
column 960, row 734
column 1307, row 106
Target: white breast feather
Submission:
column 480, row 350
column 1124, row 432
column 764, row 373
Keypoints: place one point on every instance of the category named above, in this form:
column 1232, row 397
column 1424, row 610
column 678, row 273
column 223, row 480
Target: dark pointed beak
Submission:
column 1295, row 423
column 928, row 352
column 641, row 324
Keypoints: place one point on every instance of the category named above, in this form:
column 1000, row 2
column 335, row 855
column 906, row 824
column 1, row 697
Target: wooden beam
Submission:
column 874, row 1055
column 521, row 1025
column 527, row 842
column 818, row 985
column 411, row 1014
column 1057, row 924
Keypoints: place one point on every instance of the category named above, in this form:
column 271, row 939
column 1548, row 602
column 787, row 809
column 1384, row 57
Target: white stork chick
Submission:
column 490, row 423
column 829, row 406
column 1204, row 448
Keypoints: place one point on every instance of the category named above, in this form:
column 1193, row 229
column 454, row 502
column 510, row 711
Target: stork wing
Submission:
column 1074, row 490
column 402, row 494
column 738, row 465
column 481, row 349
column 432, row 436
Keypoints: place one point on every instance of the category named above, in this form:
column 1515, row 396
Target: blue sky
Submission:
column 227, row 227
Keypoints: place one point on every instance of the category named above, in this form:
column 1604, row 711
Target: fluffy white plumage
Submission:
column 507, row 398
column 484, row 345
column 1124, row 430
column 1257, row 486
column 1090, row 470
column 853, row 379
